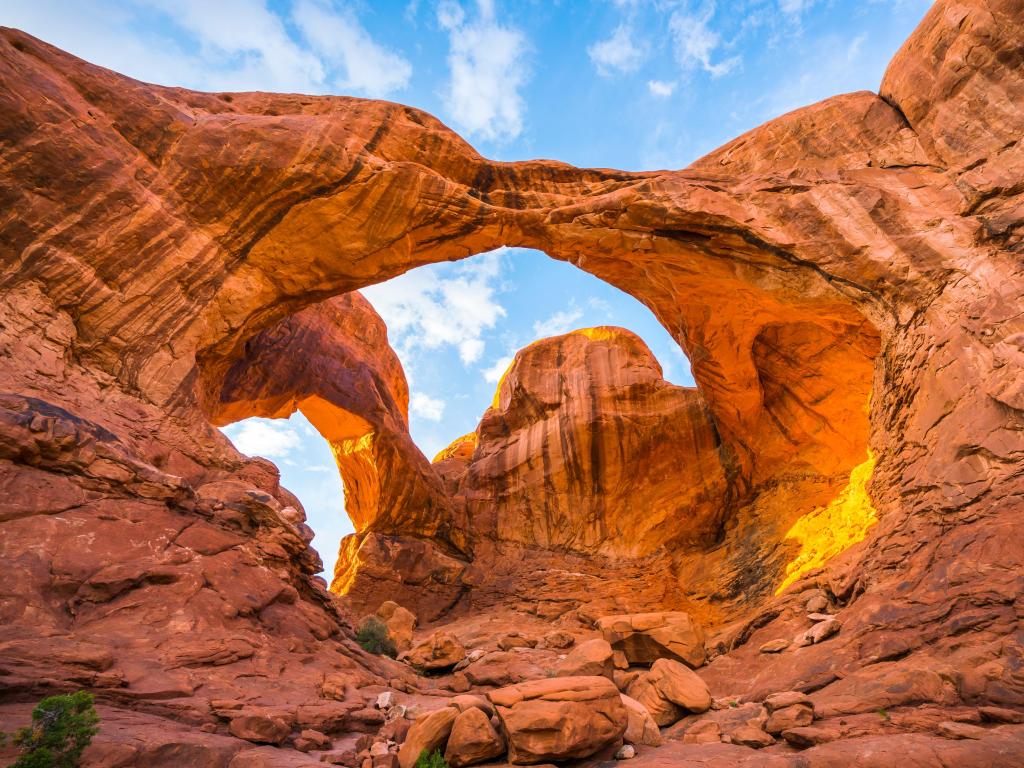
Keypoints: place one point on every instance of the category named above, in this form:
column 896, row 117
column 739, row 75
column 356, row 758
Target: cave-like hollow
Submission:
column 765, row 463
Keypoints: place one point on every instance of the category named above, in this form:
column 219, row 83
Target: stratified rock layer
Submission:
column 846, row 281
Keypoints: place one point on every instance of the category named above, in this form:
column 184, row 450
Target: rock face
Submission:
column 554, row 465
column 846, row 281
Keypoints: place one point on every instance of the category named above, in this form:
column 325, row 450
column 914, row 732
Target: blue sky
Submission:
column 628, row 84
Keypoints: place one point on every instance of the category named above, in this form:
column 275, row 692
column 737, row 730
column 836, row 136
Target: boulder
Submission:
column 502, row 668
column 400, row 622
column 439, row 651
column 473, row 739
column 795, row 716
column 751, row 736
column 560, row 718
column 467, row 701
column 647, row 637
column 515, row 640
column 680, row 685
column 309, row 739
column 557, row 640
column 786, row 699
column 640, row 726
column 428, row 733
column 593, row 657
column 823, row 630
column 259, row 728
column 661, row 710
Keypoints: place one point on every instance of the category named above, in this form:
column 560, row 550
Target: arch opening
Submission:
column 785, row 425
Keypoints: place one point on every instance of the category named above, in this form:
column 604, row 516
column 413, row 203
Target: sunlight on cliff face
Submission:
column 827, row 531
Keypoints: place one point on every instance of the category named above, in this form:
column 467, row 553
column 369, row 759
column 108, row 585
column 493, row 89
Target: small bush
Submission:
column 435, row 760
column 62, row 727
column 373, row 636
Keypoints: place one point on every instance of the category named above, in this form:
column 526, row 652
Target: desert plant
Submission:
column 62, row 727
column 373, row 637
column 435, row 760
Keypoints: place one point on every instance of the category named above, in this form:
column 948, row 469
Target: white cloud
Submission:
column 795, row 7
column 618, row 53
column 217, row 46
column 427, row 309
column 426, row 407
column 263, row 437
column 695, row 42
column 661, row 88
column 496, row 371
column 319, row 468
column 559, row 323
column 341, row 40
column 488, row 69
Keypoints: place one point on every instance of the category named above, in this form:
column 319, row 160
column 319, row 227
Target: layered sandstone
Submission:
column 846, row 281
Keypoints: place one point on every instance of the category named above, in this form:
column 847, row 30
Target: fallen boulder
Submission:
column 593, row 657
column 559, row 718
column 427, row 734
column 439, row 651
column 473, row 740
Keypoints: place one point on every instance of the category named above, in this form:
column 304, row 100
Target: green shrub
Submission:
column 373, row 636
column 431, row 761
column 62, row 727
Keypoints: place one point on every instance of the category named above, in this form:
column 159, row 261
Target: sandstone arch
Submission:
column 148, row 233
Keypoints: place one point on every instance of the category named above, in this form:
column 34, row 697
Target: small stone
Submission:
column 817, row 604
column 626, row 752
column 386, row 700
column 823, row 631
column 820, row 616
column 774, row 646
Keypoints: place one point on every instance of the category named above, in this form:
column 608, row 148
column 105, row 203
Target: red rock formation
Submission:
column 846, row 277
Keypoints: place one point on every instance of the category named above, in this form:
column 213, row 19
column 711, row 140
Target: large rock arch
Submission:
column 864, row 247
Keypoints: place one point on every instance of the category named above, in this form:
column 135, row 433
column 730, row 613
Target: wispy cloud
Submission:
column 617, row 53
column 264, row 437
column 494, row 373
column 695, row 42
column 487, row 63
column 558, row 323
column 438, row 305
column 222, row 45
column 341, row 41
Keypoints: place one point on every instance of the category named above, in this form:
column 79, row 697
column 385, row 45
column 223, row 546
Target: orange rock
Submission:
column 643, row 638
column 592, row 657
column 473, row 740
column 439, row 651
column 640, row 726
column 428, row 733
column 559, row 718
column 400, row 623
